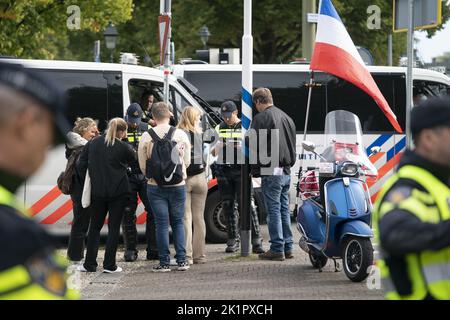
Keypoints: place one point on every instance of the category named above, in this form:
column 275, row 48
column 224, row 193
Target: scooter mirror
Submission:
column 309, row 146
column 374, row 150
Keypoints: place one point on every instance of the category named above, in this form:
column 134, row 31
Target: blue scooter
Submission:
column 335, row 221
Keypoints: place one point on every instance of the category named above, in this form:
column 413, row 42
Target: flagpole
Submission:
column 247, row 89
column 311, row 84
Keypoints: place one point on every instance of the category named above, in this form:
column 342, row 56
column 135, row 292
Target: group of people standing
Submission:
column 128, row 162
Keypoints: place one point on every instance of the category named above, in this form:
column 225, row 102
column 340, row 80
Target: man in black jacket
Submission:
column 277, row 130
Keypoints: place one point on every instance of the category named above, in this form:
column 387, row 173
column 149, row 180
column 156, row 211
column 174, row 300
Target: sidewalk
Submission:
column 225, row 277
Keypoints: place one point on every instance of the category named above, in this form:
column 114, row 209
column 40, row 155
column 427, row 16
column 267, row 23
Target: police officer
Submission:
column 138, row 184
column 412, row 214
column 31, row 121
column 228, row 172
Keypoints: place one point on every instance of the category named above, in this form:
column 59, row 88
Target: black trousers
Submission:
column 230, row 190
column 99, row 209
column 138, row 188
column 78, row 231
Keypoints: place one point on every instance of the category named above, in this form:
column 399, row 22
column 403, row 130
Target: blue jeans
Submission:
column 167, row 201
column 276, row 197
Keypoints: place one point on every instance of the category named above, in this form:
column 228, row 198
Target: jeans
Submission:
column 276, row 197
column 99, row 209
column 78, row 231
column 168, row 205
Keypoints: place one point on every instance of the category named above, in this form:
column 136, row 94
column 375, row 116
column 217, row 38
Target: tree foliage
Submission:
column 37, row 28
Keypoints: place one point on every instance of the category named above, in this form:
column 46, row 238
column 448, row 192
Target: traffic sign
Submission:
column 427, row 14
column 164, row 25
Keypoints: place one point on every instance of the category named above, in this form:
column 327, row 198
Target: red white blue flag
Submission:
column 335, row 53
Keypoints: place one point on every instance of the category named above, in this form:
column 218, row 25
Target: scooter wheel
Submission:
column 357, row 257
column 318, row 260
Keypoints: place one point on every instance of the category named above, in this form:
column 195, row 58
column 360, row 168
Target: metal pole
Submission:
column 311, row 83
column 390, row 50
column 165, row 8
column 409, row 73
column 308, row 29
column 247, row 89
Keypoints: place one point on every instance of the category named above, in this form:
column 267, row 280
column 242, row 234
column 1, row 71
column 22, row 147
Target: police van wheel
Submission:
column 357, row 257
column 215, row 220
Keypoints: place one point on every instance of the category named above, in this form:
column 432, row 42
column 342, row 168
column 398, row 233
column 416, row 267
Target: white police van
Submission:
column 103, row 91
column 288, row 84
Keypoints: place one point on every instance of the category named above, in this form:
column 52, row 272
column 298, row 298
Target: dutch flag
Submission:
column 335, row 53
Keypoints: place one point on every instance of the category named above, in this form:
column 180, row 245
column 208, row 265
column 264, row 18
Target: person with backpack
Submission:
column 164, row 153
column 106, row 159
column 84, row 130
column 196, row 188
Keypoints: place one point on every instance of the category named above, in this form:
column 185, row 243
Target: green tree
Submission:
column 40, row 28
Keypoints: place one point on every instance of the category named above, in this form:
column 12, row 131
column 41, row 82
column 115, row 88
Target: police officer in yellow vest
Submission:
column 31, row 121
column 228, row 172
column 412, row 214
column 138, row 184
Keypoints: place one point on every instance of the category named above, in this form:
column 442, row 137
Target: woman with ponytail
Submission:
column 107, row 159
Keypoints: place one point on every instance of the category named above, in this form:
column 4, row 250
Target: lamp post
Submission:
column 111, row 35
column 204, row 36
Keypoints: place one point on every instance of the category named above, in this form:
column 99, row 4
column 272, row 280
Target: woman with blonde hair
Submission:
column 84, row 130
column 196, row 188
column 107, row 158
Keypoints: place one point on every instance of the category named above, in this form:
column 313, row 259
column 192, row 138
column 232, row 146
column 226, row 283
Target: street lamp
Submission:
column 204, row 35
column 111, row 35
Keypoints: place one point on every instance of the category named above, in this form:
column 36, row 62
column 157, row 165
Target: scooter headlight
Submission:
column 349, row 169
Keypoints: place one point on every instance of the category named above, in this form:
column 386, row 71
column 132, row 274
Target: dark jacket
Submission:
column 401, row 232
column 275, row 118
column 107, row 167
column 76, row 144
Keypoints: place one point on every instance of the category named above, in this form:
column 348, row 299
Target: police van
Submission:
column 103, row 91
column 288, row 84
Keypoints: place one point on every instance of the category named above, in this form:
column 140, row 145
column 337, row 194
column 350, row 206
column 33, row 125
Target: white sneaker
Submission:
column 81, row 268
column 118, row 269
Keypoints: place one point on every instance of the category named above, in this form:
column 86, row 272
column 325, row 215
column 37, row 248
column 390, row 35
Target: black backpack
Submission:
column 195, row 168
column 65, row 179
column 160, row 166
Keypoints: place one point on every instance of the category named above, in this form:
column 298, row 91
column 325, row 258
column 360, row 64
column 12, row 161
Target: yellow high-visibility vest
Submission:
column 31, row 281
column 428, row 271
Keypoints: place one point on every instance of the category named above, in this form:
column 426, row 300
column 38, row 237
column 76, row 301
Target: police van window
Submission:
column 87, row 94
column 216, row 86
column 429, row 89
column 290, row 93
column 177, row 101
column 344, row 95
column 115, row 94
column 288, row 89
column 138, row 87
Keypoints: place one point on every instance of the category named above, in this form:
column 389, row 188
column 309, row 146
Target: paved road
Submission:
column 225, row 277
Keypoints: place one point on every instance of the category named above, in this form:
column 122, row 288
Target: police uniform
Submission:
column 228, row 172
column 412, row 219
column 30, row 268
column 138, row 184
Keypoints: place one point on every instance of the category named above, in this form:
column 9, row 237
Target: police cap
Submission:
column 227, row 108
column 40, row 89
column 430, row 113
column 134, row 114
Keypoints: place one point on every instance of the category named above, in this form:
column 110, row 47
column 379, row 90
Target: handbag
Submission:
column 86, row 197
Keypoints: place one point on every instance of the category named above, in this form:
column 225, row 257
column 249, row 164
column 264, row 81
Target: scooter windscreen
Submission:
column 343, row 141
